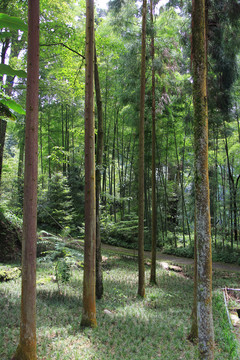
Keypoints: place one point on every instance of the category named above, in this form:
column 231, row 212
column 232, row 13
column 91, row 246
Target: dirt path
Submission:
column 171, row 258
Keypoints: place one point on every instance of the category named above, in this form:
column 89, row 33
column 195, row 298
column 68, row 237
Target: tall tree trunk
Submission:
column 194, row 327
column 63, row 143
column 141, row 271
column 202, row 203
column 99, row 160
column 49, row 148
column 3, row 123
column 130, row 176
column 3, row 127
column 20, row 167
column 27, row 349
column 41, row 150
column 153, row 279
column 89, row 278
column 104, row 177
column 224, row 205
column 233, row 197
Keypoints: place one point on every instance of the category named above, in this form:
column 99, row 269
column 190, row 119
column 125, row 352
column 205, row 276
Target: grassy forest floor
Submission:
column 128, row 327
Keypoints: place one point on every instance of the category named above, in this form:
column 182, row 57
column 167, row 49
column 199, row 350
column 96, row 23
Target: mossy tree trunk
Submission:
column 202, row 203
column 26, row 349
column 141, row 272
column 89, row 284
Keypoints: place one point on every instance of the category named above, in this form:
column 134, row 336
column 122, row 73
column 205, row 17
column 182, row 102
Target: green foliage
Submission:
column 123, row 233
column 63, row 270
column 223, row 329
column 12, row 22
column 10, row 273
column 55, row 211
column 187, row 251
column 7, row 70
column 226, row 255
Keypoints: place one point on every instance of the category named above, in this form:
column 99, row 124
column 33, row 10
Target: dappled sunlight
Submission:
column 155, row 327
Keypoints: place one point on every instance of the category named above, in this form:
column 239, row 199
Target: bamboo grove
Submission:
column 145, row 174
column 61, row 121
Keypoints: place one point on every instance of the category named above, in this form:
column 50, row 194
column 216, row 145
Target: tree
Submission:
column 154, row 208
column 99, row 156
column 202, row 202
column 89, row 299
column 141, row 273
column 26, row 349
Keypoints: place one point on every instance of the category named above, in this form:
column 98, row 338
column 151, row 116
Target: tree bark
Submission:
column 99, row 161
column 89, row 278
column 153, row 279
column 3, row 127
column 202, row 203
column 141, row 271
column 26, row 349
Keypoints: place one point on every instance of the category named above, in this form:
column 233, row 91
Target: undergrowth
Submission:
column 155, row 327
column 219, row 254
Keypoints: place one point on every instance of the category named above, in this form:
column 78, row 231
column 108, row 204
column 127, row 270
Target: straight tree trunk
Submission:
column 153, row 279
column 202, row 203
column 194, row 327
column 20, row 168
column 233, row 197
column 63, row 142
column 99, row 160
column 26, row 349
column 41, row 150
column 141, row 271
column 3, row 127
column 89, row 277
column 49, row 149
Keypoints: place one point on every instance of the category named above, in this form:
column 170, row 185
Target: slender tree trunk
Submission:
column 99, row 158
column 202, row 203
column 3, row 127
column 165, row 183
column 233, row 197
column 27, row 349
column 49, row 149
column 224, row 205
column 63, row 143
column 89, row 277
column 41, row 150
column 130, row 176
column 20, row 168
column 141, row 271
column 153, row 279
column 104, row 177
column 182, row 192
column 194, row 328
column 67, row 140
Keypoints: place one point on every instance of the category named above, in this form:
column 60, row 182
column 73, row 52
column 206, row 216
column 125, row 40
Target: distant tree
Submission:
column 202, row 202
column 89, row 278
column 56, row 208
column 26, row 349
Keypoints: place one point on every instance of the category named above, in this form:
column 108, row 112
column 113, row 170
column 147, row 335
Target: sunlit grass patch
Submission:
column 129, row 327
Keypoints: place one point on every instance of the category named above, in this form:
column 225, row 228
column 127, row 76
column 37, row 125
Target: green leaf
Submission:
column 12, row 22
column 5, row 113
column 7, row 70
column 11, row 104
